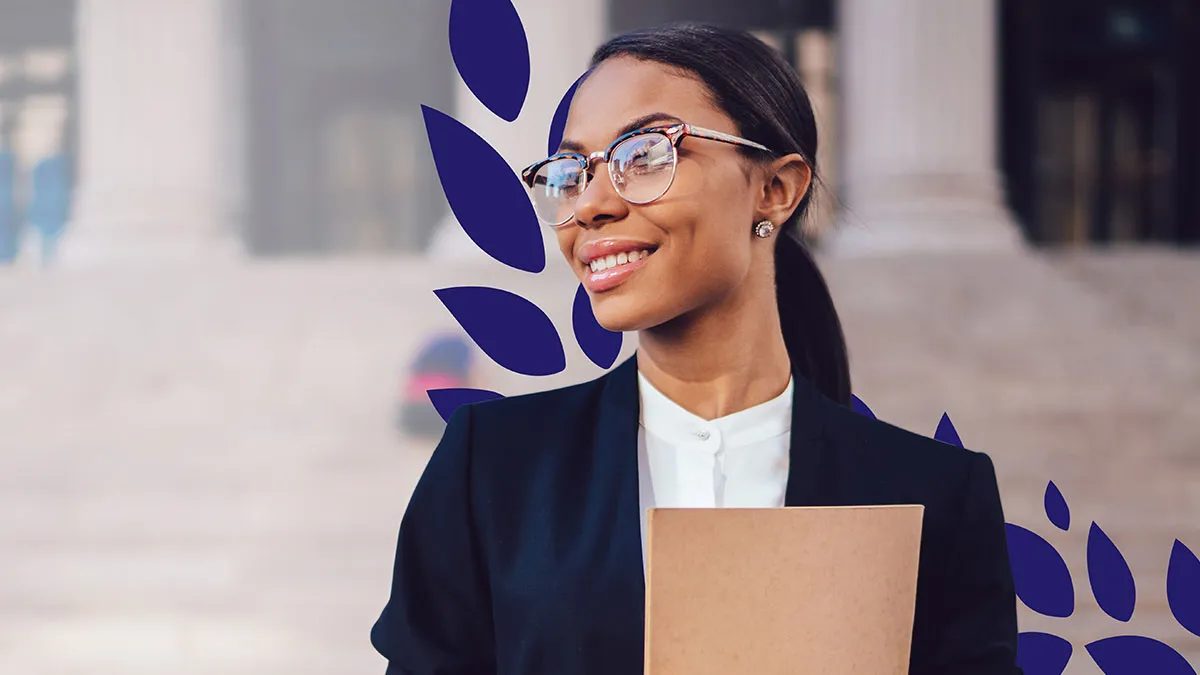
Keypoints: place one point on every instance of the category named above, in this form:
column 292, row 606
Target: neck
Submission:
column 721, row 359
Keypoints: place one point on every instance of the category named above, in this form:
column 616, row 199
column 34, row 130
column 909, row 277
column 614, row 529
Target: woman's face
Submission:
column 699, row 234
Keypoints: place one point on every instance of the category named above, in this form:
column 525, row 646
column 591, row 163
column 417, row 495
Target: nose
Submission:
column 599, row 203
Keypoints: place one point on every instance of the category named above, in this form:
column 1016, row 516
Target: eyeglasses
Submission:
column 641, row 165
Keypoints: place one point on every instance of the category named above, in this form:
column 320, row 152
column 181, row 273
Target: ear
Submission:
column 787, row 181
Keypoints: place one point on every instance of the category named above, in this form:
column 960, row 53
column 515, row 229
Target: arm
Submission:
column 438, row 620
column 977, row 616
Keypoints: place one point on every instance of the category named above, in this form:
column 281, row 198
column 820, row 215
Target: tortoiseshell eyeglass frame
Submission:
column 675, row 133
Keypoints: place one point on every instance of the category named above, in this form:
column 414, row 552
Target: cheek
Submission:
column 707, row 221
column 566, row 241
column 708, row 254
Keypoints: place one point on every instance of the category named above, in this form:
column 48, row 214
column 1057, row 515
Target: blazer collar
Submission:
column 811, row 463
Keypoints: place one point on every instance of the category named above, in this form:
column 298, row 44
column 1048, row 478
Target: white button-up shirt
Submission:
column 684, row 461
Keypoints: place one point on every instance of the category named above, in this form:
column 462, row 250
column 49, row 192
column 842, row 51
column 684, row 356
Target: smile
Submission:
column 612, row 270
column 624, row 258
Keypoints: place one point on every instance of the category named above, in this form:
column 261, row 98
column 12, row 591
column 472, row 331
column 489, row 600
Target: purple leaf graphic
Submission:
column 559, row 121
column 1137, row 655
column 491, row 52
column 1040, row 574
column 1112, row 582
column 487, row 198
column 508, row 328
column 946, row 432
column 1042, row 653
column 599, row 344
column 859, row 407
column 1183, row 587
column 1056, row 507
column 446, row 401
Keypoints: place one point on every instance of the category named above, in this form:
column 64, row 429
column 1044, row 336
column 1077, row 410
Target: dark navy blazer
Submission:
column 520, row 551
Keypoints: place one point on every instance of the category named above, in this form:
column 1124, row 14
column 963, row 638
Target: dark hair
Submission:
column 755, row 86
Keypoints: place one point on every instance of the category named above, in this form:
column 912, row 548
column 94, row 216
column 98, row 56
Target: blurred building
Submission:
column 294, row 127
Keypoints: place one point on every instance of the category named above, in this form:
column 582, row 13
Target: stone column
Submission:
column 160, row 131
column 562, row 35
column 919, row 102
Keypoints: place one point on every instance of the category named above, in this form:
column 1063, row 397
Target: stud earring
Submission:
column 763, row 229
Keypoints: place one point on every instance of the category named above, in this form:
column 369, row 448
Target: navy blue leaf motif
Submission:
column 946, row 432
column 1042, row 653
column 859, row 407
column 1040, row 574
column 1056, row 507
column 491, row 52
column 487, row 198
column 1137, row 655
column 508, row 328
column 446, row 401
column 599, row 344
column 1183, row 587
column 1112, row 582
column 559, row 121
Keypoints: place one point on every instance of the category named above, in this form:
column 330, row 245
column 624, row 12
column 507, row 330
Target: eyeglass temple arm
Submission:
column 711, row 135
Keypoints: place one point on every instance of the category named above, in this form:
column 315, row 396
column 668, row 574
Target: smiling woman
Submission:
column 522, row 547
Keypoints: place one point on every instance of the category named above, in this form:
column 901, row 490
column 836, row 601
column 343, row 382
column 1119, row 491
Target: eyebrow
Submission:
column 634, row 125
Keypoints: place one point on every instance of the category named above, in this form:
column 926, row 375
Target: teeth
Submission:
column 611, row 261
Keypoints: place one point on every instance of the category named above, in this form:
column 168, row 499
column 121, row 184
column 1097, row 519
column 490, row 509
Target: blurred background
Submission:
column 220, row 229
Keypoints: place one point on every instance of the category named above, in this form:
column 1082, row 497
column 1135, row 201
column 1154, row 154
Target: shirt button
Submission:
column 702, row 434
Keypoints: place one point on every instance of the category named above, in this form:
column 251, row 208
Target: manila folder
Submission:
column 785, row 591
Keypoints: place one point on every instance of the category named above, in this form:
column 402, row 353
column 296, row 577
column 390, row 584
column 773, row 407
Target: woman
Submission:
column 687, row 161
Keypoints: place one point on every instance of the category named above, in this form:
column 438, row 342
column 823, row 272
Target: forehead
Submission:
column 623, row 89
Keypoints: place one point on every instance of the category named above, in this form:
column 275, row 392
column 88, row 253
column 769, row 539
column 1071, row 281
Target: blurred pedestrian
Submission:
column 50, row 203
column 9, row 220
column 443, row 362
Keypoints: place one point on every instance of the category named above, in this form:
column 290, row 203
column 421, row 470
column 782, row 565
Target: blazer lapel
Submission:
column 811, row 471
column 616, row 442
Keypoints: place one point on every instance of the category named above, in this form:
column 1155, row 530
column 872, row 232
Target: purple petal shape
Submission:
column 559, row 121
column 1040, row 574
column 946, row 432
column 1183, row 587
column 508, row 328
column 1137, row 655
column 1042, row 653
column 1056, row 507
column 446, row 401
column 491, row 52
column 599, row 344
column 487, row 198
column 1112, row 581
column 859, row 407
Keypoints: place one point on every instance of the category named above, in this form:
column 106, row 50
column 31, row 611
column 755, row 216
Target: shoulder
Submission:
column 513, row 426
column 551, row 405
column 918, row 466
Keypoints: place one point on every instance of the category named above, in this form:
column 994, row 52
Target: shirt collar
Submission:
column 668, row 420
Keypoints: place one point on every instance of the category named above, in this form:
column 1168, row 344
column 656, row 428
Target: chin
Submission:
column 622, row 314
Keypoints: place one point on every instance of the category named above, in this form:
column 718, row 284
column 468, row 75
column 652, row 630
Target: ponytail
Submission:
column 811, row 328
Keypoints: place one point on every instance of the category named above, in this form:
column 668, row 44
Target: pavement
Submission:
column 200, row 470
